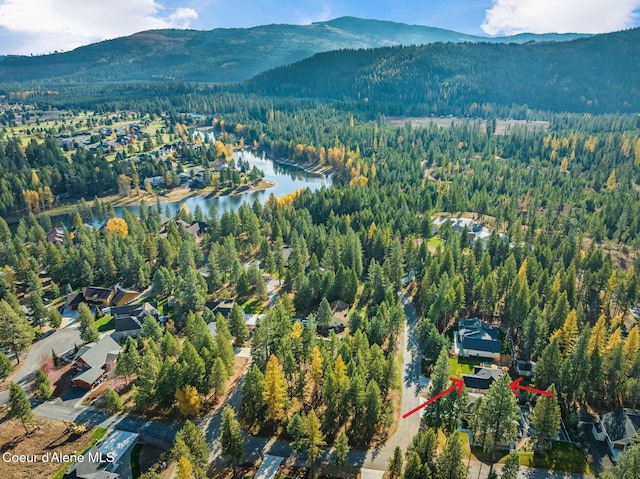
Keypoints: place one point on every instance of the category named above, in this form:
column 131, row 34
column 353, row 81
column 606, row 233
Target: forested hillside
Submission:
column 596, row 74
column 224, row 55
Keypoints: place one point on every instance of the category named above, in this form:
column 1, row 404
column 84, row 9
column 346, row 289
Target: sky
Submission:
column 44, row 26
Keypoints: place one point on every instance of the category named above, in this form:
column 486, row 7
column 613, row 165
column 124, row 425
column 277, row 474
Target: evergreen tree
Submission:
column 19, row 406
column 444, row 412
column 252, row 394
column 191, row 443
column 145, row 393
column 151, row 329
column 296, row 430
column 6, row 366
column 414, row 468
column 449, row 464
column 112, row 401
column 237, row 325
column 87, row 324
column 511, row 466
column 545, row 418
column 231, row 436
column 54, row 318
column 495, row 418
column 628, row 465
column 218, row 377
column 395, row 464
column 325, row 314
column 41, row 387
column 341, row 452
column 16, row 334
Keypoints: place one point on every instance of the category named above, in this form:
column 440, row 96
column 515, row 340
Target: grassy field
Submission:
column 434, row 242
column 462, row 365
column 106, row 323
column 561, row 457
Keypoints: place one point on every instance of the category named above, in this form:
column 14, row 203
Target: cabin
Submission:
column 619, row 429
column 476, row 339
column 56, row 235
column 526, row 369
column 94, row 361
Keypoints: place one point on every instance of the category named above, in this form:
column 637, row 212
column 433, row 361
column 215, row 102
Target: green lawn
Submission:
column 252, row 306
column 106, row 323
column 434, row 241
column 561, row 457
column 462, row 365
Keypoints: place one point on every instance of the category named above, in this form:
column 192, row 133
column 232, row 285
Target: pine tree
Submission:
column 112, row 401
column 414, row 468
column 231, row 436
column 395, row 464
column 444, row 412
column 252, row 394
column 511, row 466
column 218, row 377
column 238, row 326
column 314, row 438
column 296, row 430
column 147, row 378
column 628, row 465
column 41, row 388
column 151, row 329
column 6, row 366
column 545, row 418
column 87, row 324
column 341, row 452
column 325, row 314
column 449, row 464
column 275, row 390
column 16, row 334
column 495, row 420
column 191, row 443
column 19, row 406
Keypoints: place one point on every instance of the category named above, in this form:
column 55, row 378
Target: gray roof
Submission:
column 96, row 355
column 477, row 335
column 117, row 443
column 89, row 376
column 127, row 323
column 89, row 469
column 621, row 425
column 482, row 377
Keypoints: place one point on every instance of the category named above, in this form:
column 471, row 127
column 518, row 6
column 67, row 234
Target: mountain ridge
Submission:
column 224, row 55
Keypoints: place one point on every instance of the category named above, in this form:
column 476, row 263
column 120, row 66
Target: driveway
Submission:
column 60, row 341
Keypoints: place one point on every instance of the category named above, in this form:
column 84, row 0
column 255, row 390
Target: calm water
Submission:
column 287, row 180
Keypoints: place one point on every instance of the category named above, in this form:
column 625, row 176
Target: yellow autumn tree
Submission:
column 185, row 469
column 599, row 335
column 315, row 371
column 611, row 181
column 275, row 390
column 569, row 332
column 189, row 401
column 632, row 344
column 118, row 226
column 340, row 369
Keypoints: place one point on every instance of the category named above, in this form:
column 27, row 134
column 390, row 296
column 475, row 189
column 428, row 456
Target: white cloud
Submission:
column 43, row 26
column 508, row 17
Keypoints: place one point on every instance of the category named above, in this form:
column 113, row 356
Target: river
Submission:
column 287, row 179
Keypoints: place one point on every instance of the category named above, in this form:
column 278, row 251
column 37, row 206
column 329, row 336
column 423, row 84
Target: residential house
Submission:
column 56, row 235
column 94, row 361
column 128, row 319
column 525, row 369
column 107, row 460
column 475, row 231
column 103, row 297
column 476, row 339
column 482, row 378
column 619, row 429
column 221, row 305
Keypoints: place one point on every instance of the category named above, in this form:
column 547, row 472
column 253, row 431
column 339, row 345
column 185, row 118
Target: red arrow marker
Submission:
column 515, row 385
column 459, row 385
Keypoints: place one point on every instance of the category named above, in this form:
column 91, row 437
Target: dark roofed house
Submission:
column 619, row 429
column 128, row 319
column 93, row 361
column 482, row 378
column 475, row 338
column 221, row 305
column 56, row 235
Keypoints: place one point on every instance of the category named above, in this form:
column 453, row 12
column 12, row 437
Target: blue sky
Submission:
column 43, row 26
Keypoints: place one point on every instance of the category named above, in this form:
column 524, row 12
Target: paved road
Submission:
column 158, row 432
column 479, row 470
column 60, row 341
column 409, row 427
